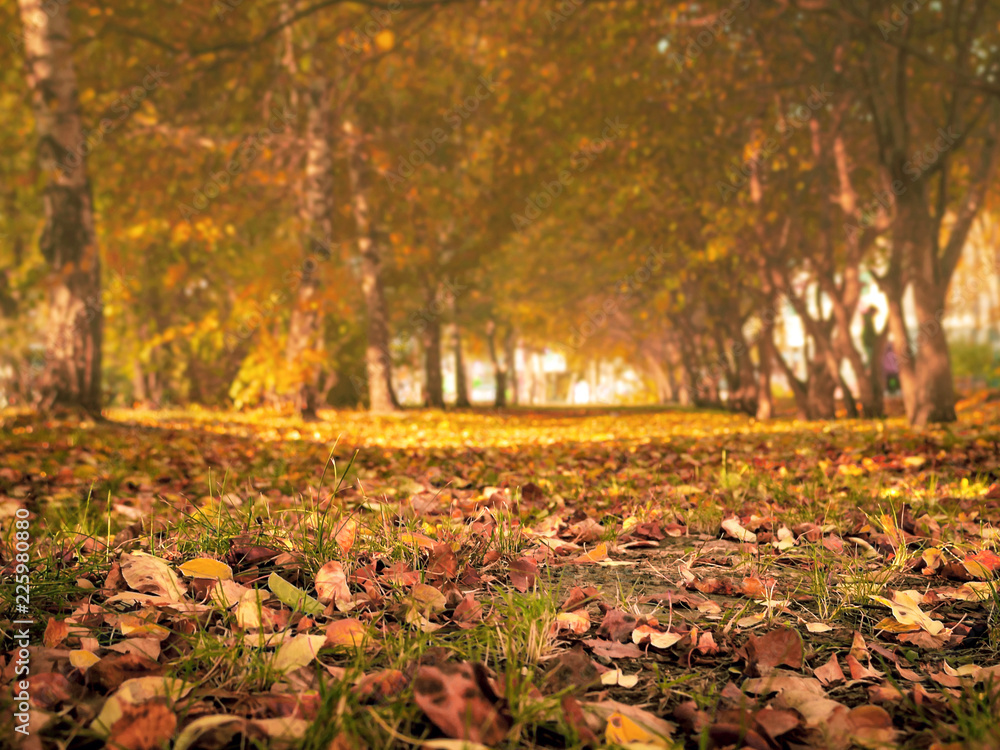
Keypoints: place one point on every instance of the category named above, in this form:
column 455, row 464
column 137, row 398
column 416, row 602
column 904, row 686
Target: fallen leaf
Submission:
column 619, row 678
column 782, row 646
column 818, row 627
column 83, row 660
column 733, row 527
column 381, row 686
column 630, row 724
column 114, row 669
column 298, row 652
column 331, row 584
column 138, row 690
column 983, row 565
column 613, row 650
column 350, row 633
column 292, row 596
column 905, row 608
column 146, row 726
column 523, row 573
column 204, row 567
column 56, row 631
column 647, row 634
column 830, row 673
column 458, row 700
column 346, row 534
column 575, row 622
column 871, row 727
column 597, row 554
column 209, row 731
column 151, row 575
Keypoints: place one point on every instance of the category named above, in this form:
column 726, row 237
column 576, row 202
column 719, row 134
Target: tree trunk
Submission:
column 935, row 388
column 72, row 369
column 139, row 393
column 848, row 395
column 499, row 371
column 461, row 378
column 301, row 352
column 820, row 393
column 377, row 361
column 510, row 349
column 693, row 381
column 432, row 363
column 676, row 360
column 747, row 398
column 500, row 400
column 765, row 399
column 664, row 387
column 876, row 384
column 799, row 391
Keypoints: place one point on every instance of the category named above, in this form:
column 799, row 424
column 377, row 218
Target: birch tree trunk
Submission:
column 302, row 350
column 72, row 371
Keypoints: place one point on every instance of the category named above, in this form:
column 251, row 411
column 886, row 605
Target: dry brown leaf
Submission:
column 458, row 699
column 782, row 646
column 115, row 669
column 871, row 727
column 146, row 726
column 381, row 686
column 151, row 575
column 523, row 573
column 347, row 532
column 56, row 631
column 331, row 584
column 830, row 673
column 613, row 650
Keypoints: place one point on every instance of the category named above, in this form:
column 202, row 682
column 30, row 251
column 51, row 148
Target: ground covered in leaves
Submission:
column 519, row 579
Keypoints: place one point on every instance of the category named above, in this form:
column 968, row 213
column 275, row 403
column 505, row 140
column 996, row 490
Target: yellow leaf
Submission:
column 130, row 625
column 905, row 608
column 298, row 652
column 623, row 731
column 205, row 567
column 350, row 633
column 82, row 659
column 575, row 622
column 600, row 552
column 891, row 625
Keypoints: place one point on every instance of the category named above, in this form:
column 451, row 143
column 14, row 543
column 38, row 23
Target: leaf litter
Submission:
column 224, row 579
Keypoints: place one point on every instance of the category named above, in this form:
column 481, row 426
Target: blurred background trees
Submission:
column 300, row 205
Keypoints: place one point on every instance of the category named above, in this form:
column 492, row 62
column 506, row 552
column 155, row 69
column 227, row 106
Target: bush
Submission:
column 971, row 359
